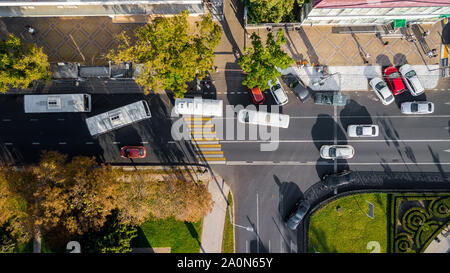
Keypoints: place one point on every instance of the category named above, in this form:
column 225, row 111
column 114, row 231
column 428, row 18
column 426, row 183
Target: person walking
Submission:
column 30, row 29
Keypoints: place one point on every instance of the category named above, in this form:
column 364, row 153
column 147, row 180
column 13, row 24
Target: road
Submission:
column 265, row 184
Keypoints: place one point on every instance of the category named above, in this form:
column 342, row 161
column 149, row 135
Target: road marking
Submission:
column 6, row 119
column 309, row 163
column 89, row 142
column 115, row 142
column 269, row 246
column 60, row 119
column 62, row 143
column 35, row 143
column 144, row 142
column 348, row 117
column 8, row 143
column 331, row 140
column 246, row 246
column 34, row 119
column 448, row 151
column 257, row 223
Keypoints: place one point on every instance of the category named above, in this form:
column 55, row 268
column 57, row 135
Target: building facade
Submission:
column 373, row 12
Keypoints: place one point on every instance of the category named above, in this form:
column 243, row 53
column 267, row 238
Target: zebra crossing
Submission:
column 205, row 140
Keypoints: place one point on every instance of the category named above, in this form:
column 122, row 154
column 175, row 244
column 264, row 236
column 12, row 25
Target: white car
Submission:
column 417, row 107
column 337, row 151
column 278, row 92
column 411, row 80
column 369, row 130
column 382, row 91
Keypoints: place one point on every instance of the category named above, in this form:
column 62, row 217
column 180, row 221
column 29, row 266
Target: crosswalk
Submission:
column 205, row 140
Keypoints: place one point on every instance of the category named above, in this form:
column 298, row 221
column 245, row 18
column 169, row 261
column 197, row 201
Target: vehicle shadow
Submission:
column 354, row 113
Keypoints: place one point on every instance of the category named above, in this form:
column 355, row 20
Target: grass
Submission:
column 181, row 237
column 350, row 230
column 228, row 231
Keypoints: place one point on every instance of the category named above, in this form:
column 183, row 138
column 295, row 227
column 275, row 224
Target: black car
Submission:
column 333, row 181
column 297, row 86
column 297, row 214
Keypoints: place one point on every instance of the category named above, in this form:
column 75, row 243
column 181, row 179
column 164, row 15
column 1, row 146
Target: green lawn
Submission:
column 350, row 230
column 228, row 234
column 182, row 237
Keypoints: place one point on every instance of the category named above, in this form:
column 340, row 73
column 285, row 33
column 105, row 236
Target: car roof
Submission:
column 256, row 91
column 280, row 94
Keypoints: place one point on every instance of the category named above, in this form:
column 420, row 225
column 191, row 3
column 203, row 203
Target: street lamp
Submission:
column 231, row 220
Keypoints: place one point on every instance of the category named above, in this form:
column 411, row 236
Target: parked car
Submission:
column 330, row 99
column 370, row 130
column 337, row 151
column 333, row 181
column 417, row 107
column 382, row 91
column 297, row 214
column 278, row 92
column 256, row 95
column 411, row 80
column 296, row 85
column 394, row 80
column 133, row 152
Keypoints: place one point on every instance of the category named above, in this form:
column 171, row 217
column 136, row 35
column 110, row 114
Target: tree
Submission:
column 271, row 11
column 171, row 53
column 7, row 242
column 261, row 62
column 21, row 65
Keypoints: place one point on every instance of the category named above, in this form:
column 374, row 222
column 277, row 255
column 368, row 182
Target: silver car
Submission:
column 382, row 91
column 417, row 107
column 337, row 151
column 278, row 92
column 411, row 80
column 370, row 130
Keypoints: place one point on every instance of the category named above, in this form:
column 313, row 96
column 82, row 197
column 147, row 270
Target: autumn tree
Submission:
column 21, row 65
column 272, row 11
column 261, row 62
column 171, row 52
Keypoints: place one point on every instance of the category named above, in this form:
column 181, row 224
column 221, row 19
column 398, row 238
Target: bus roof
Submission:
column 199, row 106
column 53, row 103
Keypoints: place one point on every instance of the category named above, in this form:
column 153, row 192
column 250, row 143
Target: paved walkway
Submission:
column 442, row 244
column 213, row 223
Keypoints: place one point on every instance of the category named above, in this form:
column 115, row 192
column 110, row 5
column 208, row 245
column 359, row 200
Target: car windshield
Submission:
column 429, row 107
column 373, row 130
column 414, row 107
column 410, row 74
column 141, row 152
column 393, row 75
column 359, row 131
column 276, row 87
column 380, row 85
column 332, row 152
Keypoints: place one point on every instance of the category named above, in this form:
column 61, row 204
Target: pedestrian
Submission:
column 367, row 55
column 426, row 33
column 31, row 30
column 385, row 44
column 433, row 51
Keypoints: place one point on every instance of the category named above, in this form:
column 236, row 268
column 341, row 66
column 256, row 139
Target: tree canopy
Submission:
column 271, row 11
column 21, row 65
column 170, row 51
column 261, row 62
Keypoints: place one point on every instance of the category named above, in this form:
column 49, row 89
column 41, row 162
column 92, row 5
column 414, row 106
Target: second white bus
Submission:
column 118, row 117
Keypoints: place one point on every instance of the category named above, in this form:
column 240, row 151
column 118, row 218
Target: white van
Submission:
column 263, row 118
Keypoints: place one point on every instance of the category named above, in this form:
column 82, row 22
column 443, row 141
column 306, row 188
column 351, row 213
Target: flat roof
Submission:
column 331, row 4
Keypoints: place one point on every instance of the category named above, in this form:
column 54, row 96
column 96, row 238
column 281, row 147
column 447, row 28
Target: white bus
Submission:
column 57, row 103
column 118, row 117
column 263, row 118
column 199, row 107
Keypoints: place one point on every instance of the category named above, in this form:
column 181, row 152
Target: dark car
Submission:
column 297, row 214
column 256, row 95
column 333, row 181
column 297, row 86
column 133, row 152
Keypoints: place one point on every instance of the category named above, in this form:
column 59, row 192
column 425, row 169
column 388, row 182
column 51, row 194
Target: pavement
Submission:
column 441, row 244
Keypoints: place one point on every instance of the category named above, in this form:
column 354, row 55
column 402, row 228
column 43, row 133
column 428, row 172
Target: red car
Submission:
column 256, row 95
column 133, row 152
column 394, row 80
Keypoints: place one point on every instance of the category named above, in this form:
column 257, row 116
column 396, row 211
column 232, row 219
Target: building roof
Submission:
column 330, row 4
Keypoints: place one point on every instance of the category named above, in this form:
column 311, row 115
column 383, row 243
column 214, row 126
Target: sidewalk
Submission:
column 355, row 78
column 213, row 223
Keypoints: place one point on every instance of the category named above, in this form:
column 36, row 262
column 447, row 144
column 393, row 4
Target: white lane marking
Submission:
column 61, row 119
column 281, row 243
column 89, row 142
column 8, row 143
column 246, row 246
column 345, row 117
column 331, row 140
column 115, row 142
column 35, row 143
column 292, row 247
column 144, row 142
column 34, row 119
column 448, row 151
column 269, row 246
column 6, row 119
column 62, row 143
column 257, row 223
column 309, row 163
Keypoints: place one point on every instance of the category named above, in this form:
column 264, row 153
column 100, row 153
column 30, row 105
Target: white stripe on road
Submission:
column 89, row 142
column 8, row 143
column 144, row 142
column 34, row 119
column 310, row 163
column 6, row 119
column 35, row 143
column 331, row 140
column 62, row 143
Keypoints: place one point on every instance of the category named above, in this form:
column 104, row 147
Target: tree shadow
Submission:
column 313, row 58
column 351, row 110
column 289, row 193
column 194, row 234
column 229, row 34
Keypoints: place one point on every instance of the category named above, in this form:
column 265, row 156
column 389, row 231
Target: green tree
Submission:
column 7, row 242
column 21, row 65
column 261, row 62
column 271, row 11
column 170, row 51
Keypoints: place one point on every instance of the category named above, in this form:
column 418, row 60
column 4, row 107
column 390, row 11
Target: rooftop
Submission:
column 379, row 3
